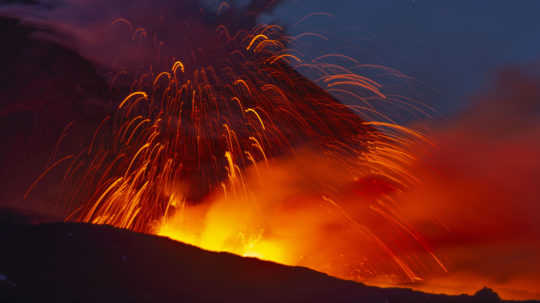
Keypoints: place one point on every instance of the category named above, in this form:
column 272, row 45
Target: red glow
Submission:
column 231, row 149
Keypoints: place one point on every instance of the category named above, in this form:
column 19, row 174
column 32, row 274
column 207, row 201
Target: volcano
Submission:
column 138, row 119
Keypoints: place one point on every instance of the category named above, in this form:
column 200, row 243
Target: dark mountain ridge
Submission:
column 68, row 262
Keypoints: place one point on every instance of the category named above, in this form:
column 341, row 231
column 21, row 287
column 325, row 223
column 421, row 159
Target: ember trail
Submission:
column 232, row 149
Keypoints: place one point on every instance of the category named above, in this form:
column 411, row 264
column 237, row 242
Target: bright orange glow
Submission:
column 244, row 155
column 267, row 196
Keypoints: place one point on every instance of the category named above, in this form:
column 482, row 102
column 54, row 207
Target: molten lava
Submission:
column 231, row 149
column 305, row 210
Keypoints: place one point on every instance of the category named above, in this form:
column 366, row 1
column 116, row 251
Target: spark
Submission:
column 188, row 152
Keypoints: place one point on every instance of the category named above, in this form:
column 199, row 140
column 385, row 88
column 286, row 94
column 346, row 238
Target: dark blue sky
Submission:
column 452, row 48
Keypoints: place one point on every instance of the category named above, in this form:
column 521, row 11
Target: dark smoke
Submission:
column 174, row 29
column 59, row 59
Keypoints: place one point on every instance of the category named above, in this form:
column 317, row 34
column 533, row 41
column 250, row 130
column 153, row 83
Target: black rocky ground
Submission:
column 67, row 262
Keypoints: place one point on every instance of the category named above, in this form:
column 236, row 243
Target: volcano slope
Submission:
column 71, row 262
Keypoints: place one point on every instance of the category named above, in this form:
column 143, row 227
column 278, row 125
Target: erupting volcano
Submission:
column 202, row 142
column 220, row 141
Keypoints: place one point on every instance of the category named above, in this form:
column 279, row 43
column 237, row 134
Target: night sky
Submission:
column 452, row 48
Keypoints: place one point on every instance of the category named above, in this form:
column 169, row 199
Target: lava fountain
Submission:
column 231, row 149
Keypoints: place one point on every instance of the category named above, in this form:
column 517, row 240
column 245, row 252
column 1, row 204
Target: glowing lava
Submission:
column 231, row 149
column 241, row 153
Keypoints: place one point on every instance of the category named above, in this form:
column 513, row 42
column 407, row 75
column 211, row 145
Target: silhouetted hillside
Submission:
column 65, row 262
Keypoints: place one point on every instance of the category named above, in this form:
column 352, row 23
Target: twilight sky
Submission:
column 452, row 48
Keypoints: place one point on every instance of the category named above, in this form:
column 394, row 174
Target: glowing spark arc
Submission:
column 251, row 110
column 176, row 65
column 138, row 93
column 45, row 173
column 254, row 39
